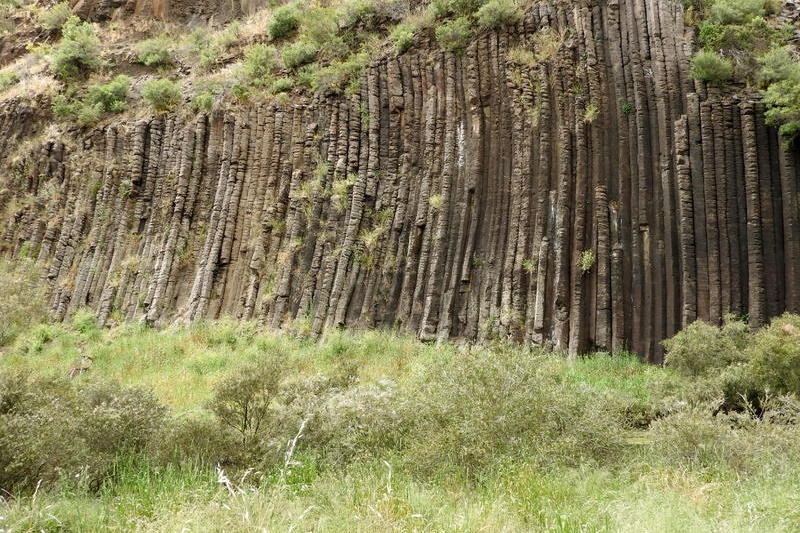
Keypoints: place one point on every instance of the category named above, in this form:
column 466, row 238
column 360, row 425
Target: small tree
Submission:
column 243, row 401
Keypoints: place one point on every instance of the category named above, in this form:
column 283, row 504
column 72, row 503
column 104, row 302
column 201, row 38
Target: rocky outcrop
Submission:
column 586, row 194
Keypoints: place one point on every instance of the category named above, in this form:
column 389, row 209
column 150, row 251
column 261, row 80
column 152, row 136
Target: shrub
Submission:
column 196, row 440
column 203, row 49
column 498, row 13
column 84, row 321
column 711, row 68
column 780, row 71
column 8, row 79
column 259, row 61
column 778, row 64
column 51, row 430
column 244, row 400
column 736, row 11
column 444, row 8
column 78, row 50
column 162, row 94
column 154, row 52
column 118, row 419
column 55, row 17
column 7, row 9
column 586, row 259
column 453, row 35
column 358, row 422
column 360, row 14
column 285, row 22
column 281, row 85
column 774, row 356
column 492, row 405
column 341, row 75
column 627, row 108
column 21, row 297
column 700, row 348
column 690, row 438
column 298, row 54
column 111, row 96
column 203, row 101
column 321, row 29
column 402, row 36
column 76, row 111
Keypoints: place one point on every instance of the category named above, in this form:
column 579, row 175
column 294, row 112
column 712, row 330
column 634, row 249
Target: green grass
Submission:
column 752, row 483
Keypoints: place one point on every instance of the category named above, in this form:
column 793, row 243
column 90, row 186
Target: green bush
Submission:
column 701, row 348
column 77, row 51
column 690, row 438
column 402, row 36
column 778, row 64
column 7, row 9
column 357, row 422
column 162, row 94
column 8, row 79
column 258, row 64
column 84, row 322
column 321, row 29
column 298, row 54
column 360, row 14
column 245, row 401
column 54, row 17
column 203, row 101
column 783, row 106
column 284, row 23
column 711, row 68
column 444, row 8
column 22, row 297
column 196, row 440
column 203, row 50
column 454, row 35
column 154, row 52
column 54, row 431
column 76, row 111
column 487, row 406
column 498, row 13
column 111, row 96
column 341, row 75
column 281, row 85
column 118, row 419
column 774, row 356
column 736, row 11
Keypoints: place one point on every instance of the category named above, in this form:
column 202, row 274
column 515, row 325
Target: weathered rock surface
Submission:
column 454, row 196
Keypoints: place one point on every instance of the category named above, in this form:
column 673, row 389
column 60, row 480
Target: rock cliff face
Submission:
column 589, row 195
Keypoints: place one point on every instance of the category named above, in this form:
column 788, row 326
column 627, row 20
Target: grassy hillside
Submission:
column 377, row 432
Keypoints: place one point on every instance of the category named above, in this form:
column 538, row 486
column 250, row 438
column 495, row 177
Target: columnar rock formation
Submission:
column 594, row 197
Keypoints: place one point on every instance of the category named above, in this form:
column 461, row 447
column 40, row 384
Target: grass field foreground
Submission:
column 377, row 432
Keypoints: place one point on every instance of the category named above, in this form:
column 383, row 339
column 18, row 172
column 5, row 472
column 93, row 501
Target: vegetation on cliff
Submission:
column 302, row 47
column 750, row 41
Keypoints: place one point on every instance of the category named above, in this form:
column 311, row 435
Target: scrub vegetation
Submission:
column 226, row 426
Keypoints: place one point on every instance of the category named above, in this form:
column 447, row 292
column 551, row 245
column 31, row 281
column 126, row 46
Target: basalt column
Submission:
column 563, row 182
